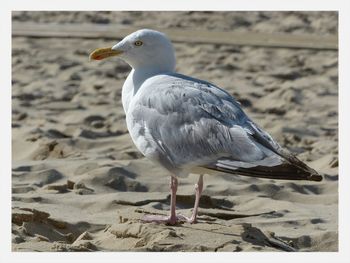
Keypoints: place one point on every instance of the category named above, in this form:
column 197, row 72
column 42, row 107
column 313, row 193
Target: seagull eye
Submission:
column 138, row 43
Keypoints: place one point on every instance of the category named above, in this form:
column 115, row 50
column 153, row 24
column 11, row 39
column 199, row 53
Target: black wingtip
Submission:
column 315, row 177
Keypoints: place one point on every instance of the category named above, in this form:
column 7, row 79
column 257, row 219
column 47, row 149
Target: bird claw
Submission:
column 168, row 220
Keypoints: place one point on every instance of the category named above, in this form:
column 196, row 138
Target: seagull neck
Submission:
column 135, row 80
column 139, row 75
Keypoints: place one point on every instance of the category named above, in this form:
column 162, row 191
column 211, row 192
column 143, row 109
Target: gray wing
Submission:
column 194, row 123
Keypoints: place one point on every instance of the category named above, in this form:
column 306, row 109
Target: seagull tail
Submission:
column 290, row 168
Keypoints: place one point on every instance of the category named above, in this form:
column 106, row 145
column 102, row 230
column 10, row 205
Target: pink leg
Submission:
column 173, row 189
column 198, row 189
column 172, row 219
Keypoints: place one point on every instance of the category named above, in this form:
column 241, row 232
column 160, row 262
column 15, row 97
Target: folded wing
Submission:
column 194, row 123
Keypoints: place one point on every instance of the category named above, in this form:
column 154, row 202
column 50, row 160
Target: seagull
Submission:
column 188, row 125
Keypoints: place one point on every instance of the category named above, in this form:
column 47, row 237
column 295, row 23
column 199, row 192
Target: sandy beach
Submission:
column 79, row 183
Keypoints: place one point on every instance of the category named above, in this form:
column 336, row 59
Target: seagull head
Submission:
column 143, row 49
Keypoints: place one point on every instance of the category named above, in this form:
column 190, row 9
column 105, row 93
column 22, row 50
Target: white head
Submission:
column 143, row 49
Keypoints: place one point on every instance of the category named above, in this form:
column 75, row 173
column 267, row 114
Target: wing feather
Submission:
column 194, row 123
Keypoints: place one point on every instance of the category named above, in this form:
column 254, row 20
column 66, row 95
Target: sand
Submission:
column 79, row 184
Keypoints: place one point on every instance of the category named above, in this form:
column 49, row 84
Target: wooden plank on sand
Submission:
column 20, row 29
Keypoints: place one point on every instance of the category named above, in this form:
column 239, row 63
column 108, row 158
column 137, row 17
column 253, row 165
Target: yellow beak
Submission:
column 102, row 53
